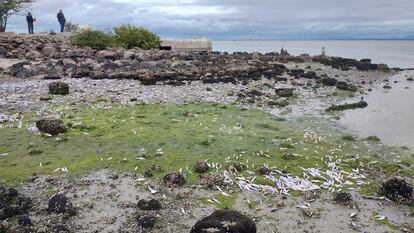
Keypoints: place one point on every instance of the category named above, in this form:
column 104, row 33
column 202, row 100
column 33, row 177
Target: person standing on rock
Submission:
column 30, row 20
column 61, row 20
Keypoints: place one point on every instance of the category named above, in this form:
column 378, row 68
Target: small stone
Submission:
column 60, row 204
column 201, row 167
column 174, row 179
column 146, row 221
column 24, row 220
column 149, row 204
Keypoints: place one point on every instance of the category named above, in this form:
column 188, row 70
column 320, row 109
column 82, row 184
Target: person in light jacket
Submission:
column 61, row 20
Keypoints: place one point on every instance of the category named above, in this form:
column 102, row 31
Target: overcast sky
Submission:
column 236, row 19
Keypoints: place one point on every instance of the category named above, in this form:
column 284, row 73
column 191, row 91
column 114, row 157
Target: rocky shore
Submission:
column 159, row 141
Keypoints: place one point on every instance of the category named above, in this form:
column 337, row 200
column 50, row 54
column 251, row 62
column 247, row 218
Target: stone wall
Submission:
column 30, row 46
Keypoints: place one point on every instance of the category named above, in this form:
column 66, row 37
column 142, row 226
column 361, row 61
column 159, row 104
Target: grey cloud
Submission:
column 225, row 19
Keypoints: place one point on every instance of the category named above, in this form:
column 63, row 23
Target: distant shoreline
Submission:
column 312, row 39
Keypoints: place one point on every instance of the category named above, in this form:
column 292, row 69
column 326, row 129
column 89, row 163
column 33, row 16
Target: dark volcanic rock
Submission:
column 310, row 75
column 60, row 204
column 174, row 179
column 20, row 71
column 58, row 88
column 201, row 166
column 263, row 171
column 341, row 85
column 12, row 204
column 148, row 81
column 149, row 204
column 397, row 190
column 24, row 220
column 146, row 221
column 342, row 197
column 59, row 228
column 52, row 74
column 329, row 81
column 52, row 126
column 3, row 229
column 284, row 92
column 224, row 221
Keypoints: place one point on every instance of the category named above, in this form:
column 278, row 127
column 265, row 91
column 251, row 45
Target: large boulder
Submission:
column 383, row 67
column 225, row 221
column 53, row 126
column 58, row 88
column 22, row 70
column 112, row 55
column 48, row 50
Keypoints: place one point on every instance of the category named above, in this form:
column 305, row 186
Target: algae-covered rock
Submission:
column 174, row 179
column 341, row 85
column 201, row 166
column 343, row 107
column 383, row 67
column 58, row 88
column 284, row 92
column 225, row 221
column 329, row 81
column 52, row 126
column 397, row 190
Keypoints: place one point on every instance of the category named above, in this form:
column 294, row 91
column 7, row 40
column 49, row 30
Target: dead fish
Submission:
column 353, row 215
column 380, row 217
column 153, row 191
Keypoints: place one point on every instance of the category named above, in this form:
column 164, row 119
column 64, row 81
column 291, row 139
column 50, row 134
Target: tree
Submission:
column 8, row 8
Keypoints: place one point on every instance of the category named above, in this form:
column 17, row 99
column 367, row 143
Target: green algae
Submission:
column 174, row 137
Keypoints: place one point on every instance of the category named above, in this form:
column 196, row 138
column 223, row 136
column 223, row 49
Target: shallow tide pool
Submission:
column 390, row 112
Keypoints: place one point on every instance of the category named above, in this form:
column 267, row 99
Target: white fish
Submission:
column 225, row 194
column 353, row 215
column 380, row 217
column 153, row 191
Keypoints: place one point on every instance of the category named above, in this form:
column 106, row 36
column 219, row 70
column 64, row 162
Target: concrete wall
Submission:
column 203, row 45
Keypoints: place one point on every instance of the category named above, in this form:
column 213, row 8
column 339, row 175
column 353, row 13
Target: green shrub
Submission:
column 129, row 37
column 71, row 27
column 93, row 38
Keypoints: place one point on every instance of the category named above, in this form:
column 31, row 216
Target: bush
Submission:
column 128, row 37
column 71, row 27
column 93, row 38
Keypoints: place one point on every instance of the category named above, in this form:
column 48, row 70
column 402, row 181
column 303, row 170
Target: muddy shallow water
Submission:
column 389, row 114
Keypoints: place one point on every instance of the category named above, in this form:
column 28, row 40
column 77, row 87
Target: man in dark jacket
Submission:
column 61, row 20
column 30, row 20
